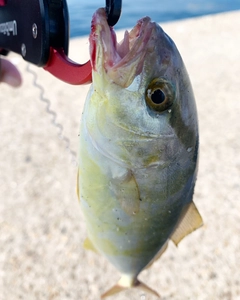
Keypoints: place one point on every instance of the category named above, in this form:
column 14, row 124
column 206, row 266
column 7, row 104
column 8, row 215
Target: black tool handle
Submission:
column 31, row 27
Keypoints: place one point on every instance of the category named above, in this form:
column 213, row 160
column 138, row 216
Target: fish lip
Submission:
column 123, row 61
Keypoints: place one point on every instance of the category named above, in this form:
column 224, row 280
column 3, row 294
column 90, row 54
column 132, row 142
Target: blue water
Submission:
column 81, row 12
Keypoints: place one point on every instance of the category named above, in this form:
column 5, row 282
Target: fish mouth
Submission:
column 123, row 61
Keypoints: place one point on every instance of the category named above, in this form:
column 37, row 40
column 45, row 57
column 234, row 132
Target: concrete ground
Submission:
column 41, row 225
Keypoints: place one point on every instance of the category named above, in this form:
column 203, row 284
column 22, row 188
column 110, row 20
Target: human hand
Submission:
column 9, row 73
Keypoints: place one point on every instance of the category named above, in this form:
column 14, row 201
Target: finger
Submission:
column 9, row 73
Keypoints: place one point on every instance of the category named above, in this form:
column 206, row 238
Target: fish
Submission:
column 138, row 149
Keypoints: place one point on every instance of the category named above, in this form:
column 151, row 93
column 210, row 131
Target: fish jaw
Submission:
column 120, row 62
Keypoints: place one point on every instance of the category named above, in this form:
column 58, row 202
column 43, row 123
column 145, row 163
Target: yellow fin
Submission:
column 127, row 282
column 88, row 245
column 126, row 192
column 145, row 288
column 190, row 220
column 113, row 290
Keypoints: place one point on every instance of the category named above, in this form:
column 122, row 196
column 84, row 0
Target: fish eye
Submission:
column 159, row 94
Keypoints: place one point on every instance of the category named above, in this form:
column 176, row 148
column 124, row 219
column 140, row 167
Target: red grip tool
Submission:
column 42, row 37
column 67, row 70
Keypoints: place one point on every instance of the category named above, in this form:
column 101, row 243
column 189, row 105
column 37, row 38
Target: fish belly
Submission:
column 130, row 214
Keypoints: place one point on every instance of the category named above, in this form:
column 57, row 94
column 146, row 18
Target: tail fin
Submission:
column 126, row 282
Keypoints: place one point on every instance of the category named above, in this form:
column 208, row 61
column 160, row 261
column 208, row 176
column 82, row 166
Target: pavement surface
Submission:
column 41, row 225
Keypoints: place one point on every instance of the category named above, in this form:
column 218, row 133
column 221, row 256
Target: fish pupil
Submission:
column 158, row 96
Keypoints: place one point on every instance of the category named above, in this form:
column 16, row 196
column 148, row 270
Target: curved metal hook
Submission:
column 113, row 10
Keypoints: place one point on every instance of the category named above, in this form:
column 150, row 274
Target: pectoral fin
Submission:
column 190, row 220
column 126, row 191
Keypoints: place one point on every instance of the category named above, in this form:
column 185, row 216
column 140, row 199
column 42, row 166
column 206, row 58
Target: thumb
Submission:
column 9, row 73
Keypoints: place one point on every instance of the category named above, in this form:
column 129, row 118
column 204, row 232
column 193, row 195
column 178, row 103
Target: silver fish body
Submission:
column 138, row 148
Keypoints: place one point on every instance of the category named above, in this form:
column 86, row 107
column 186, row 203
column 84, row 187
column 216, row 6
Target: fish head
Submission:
column 141, row 95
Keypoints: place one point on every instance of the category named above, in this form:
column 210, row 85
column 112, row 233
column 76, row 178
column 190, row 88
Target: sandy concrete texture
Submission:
column 41, row 225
